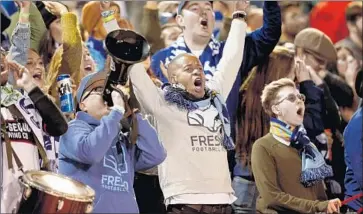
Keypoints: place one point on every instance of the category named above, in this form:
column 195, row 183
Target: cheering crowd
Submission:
column 241, row 107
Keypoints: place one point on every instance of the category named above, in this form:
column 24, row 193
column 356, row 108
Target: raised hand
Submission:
column 352, row 69
column 152, row 4
column 242, row 5
column 23, row 4
column 237, row 5
column 105, row 5
column 302, row 71
column 3, row 70
column 120, row 95
column 55, row 8
column 24, row 10
column 23, row 78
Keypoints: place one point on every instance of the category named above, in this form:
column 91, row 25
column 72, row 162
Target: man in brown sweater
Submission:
column 277, row 165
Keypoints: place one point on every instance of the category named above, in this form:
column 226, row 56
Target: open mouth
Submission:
column 300, row 111
column 37, row 76
column 88, row 68
column 204, row 23
column 198, row 84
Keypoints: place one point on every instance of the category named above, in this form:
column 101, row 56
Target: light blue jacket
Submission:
column 96, row 153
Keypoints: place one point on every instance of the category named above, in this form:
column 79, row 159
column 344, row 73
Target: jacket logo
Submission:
column 207, row 117
column 116, row 163
column 29, row 108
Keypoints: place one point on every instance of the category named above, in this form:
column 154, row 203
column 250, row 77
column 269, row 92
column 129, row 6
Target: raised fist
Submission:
column 55, row 8
column 105, row 5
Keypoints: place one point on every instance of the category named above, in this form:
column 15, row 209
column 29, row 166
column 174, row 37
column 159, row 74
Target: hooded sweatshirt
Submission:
column 97, row 154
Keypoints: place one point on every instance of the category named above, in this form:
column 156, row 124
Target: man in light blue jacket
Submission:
column 95, row 152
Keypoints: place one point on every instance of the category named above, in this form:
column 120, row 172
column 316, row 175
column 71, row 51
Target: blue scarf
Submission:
column 209, row 58
column 176, row 95
column 314, row 168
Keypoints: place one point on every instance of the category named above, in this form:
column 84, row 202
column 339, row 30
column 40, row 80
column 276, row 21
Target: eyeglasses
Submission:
column 94, row 91
column 292, row 98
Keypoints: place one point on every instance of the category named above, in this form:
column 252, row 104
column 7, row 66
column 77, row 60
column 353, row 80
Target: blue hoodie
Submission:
column 95, row 153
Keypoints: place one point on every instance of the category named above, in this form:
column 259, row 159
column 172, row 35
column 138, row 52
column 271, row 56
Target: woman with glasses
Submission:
column 288, row 169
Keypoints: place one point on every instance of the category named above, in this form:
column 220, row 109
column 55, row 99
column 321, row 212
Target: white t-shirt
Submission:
column 197, row 53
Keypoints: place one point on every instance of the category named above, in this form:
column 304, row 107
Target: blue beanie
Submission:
column 88, row 81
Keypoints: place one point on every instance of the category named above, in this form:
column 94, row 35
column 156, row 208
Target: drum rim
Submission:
column 84, row 198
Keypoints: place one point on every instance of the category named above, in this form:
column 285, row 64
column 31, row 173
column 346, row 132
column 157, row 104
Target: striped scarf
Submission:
column 314, row 168
column 209, row 58
column 280, row 129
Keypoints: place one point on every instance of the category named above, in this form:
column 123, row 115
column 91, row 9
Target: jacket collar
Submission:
column 81, row 115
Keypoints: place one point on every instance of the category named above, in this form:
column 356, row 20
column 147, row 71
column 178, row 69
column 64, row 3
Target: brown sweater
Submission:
column 276, row 168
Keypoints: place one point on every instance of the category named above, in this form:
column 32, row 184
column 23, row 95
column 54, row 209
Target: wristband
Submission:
column 24, row 15
column 118, row 108
column 239, row 15
column 108, row 18
column 107, row 13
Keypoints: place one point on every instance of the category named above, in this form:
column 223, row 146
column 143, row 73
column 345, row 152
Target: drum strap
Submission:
column 9, row 150
column 132, row 105
column 43, row 155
